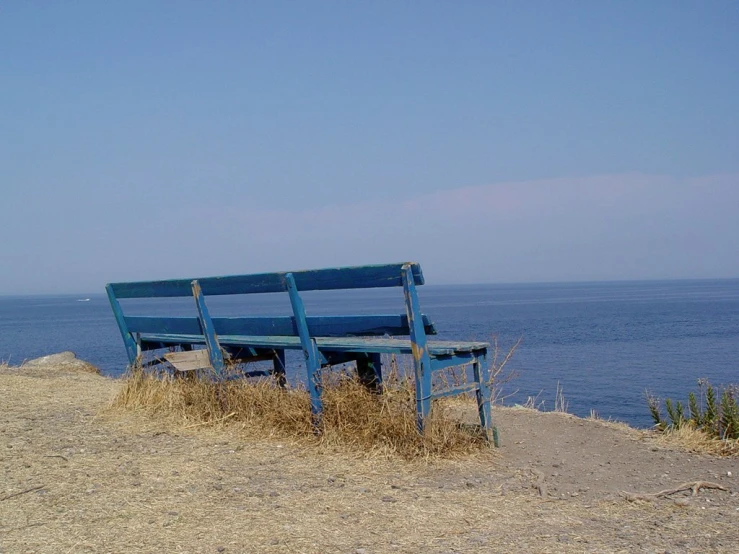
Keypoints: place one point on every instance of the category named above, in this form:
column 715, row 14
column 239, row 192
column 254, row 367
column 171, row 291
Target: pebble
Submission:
column 389, row 499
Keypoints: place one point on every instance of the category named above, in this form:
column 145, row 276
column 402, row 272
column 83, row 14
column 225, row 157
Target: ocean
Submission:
column 604, row 344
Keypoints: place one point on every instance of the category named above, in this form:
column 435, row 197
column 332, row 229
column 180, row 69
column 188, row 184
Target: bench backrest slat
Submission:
column 375, row 276
column 319, row 326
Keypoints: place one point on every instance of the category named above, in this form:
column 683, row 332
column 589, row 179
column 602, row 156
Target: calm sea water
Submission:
column 603, row 343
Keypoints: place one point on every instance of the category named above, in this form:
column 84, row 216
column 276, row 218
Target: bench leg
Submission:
column 423, row 393
column 480, row 369
column 313, row 365
column 369, row 371
column 278, row 368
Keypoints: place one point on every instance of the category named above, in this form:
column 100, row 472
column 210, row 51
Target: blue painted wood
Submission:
column 439, row 363
column 310, row 349
column 321, row 279
column 482, row 376
column 209, row 332
column 130, row 343
column 421, row 358
column 318, row 326
column 444, row 350
column 324, row 340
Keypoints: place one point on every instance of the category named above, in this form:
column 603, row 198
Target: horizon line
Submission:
column 489, row 283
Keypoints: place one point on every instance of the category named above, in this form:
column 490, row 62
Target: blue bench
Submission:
column 324, row 340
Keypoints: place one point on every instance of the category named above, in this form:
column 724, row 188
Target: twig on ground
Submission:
column 693, row 486
column 57, row 456
column 539, row 483
column 21, row 492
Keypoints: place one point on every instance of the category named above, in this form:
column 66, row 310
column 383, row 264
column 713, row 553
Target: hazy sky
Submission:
column 490, row 141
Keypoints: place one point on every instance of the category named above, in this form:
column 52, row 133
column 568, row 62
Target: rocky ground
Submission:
column 80, row 477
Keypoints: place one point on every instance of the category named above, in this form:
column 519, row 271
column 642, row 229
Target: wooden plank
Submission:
column 369, row 276
column 132, row 347
column 482, row 376
column 421, row 357
column 330, row 344
column 312, row 360
column 318, row 326
column 209, row 332
column 189, row 361
column 460, row 357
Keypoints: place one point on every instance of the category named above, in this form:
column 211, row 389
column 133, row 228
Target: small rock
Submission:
column 66, row 361
column 389, row 499
column 360, row 551
column 221, row 549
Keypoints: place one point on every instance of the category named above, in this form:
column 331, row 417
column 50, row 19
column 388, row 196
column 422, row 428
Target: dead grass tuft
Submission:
column 353, row 417
column 689, row 438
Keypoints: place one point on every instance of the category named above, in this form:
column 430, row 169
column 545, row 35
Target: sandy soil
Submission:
column 77, row 477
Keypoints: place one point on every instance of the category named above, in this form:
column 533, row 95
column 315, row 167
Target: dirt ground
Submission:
column 77, row 477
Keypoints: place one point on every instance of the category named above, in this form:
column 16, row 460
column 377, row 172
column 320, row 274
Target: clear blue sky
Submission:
column 490, row 141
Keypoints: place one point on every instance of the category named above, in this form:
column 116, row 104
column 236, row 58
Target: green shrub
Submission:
column 718, row 419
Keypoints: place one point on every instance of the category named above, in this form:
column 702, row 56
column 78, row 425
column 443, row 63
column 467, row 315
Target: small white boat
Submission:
column 83, row 300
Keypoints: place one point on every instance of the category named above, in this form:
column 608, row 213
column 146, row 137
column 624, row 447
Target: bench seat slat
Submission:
column 329, row 344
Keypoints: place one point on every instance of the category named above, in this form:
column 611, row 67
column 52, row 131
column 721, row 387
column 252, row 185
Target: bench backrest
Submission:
column 407, row 275
column 360, row 277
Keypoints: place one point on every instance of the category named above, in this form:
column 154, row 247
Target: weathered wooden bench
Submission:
column 324, row 340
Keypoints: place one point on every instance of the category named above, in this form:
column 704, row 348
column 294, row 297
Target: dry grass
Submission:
column 353, row 417
column 695, row 440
